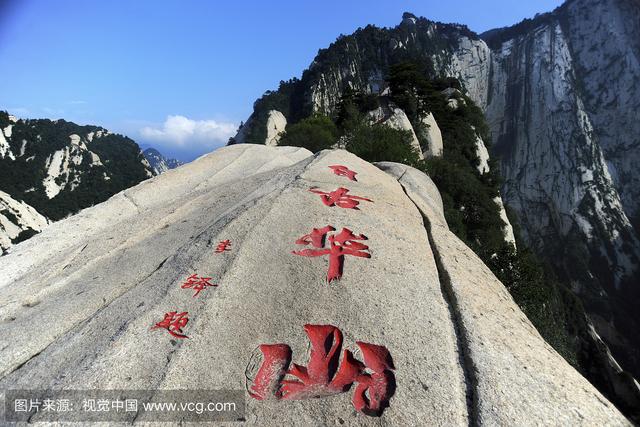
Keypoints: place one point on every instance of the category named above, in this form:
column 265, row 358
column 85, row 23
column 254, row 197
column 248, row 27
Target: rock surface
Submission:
column 433, row 136
column 159, row 163
column 463, row 351
column 562, row 107
column 17, row 218
column 276, row 124
column 390, row 115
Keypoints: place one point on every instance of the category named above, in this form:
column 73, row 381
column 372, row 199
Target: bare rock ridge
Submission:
column 456, row 345
column 159, row 163
column 18, row 220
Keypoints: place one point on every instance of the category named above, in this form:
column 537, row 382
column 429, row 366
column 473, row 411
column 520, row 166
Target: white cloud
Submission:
column 182, row 132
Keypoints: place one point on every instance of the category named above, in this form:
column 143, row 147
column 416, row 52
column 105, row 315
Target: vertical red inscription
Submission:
column 174, row 322
column 326, row 374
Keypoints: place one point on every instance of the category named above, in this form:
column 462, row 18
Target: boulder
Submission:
column 432, row 337
column 390, row 115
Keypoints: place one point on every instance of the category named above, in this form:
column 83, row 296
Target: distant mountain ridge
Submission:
column 50, row 169
column 158, row 162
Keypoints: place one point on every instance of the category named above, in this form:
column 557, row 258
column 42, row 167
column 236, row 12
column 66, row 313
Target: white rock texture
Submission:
column 16, row 217
column 483, row 156
column 463, row 351
column 276, row 124
column 508, row 228
column 5, row 148
column 563, row 107
column 390, row 115
column 556, row 173
column 471, row 64
column 433, row 136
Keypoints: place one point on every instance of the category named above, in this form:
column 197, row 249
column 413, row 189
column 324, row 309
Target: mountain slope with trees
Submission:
column 57, row 168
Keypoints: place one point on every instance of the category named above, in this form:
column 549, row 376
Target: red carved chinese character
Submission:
column 174, row 322
column 316, row 237
column 341, row 244
column 339, row 198
column 197, row 283
column 373, row 391
column 325, row 375
column 344, row 171
column 275, row 362
column 223, row 246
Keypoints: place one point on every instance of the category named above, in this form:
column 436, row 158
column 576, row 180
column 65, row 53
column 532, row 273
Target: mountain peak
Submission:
column 409, row 18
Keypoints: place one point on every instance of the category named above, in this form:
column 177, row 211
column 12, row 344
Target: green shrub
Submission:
column 314, row 133
column 377, row 143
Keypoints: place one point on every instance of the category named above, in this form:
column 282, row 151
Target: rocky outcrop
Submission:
column 561, row 95
column 159, row 163
column 18, row 221
column 64, row 167
column 103, row 281
column 483, row 156
column 604, row 39
column 390, row 115
column 433, row 137
column 508, row 228
column 263, row 128
column 276, row 124
column 470, row 63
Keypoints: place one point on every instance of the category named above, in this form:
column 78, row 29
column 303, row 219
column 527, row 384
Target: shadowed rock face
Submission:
column 562, row 105
column 79, row 300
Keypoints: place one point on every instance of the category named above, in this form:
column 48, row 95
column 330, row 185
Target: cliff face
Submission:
column 444, row 49
column 561, row 93
column 604, row 37
column 564, row 91
column 429, row 334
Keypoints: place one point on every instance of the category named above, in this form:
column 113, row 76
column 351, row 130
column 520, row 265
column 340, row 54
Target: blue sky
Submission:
column 181, row 75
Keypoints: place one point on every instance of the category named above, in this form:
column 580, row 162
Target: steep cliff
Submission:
column 18, row 221
column 563, row 96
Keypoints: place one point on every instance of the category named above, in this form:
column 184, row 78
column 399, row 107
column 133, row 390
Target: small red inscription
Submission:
column 174, row 322
column 223, row 246
column 198, row 284
column 344, row 171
